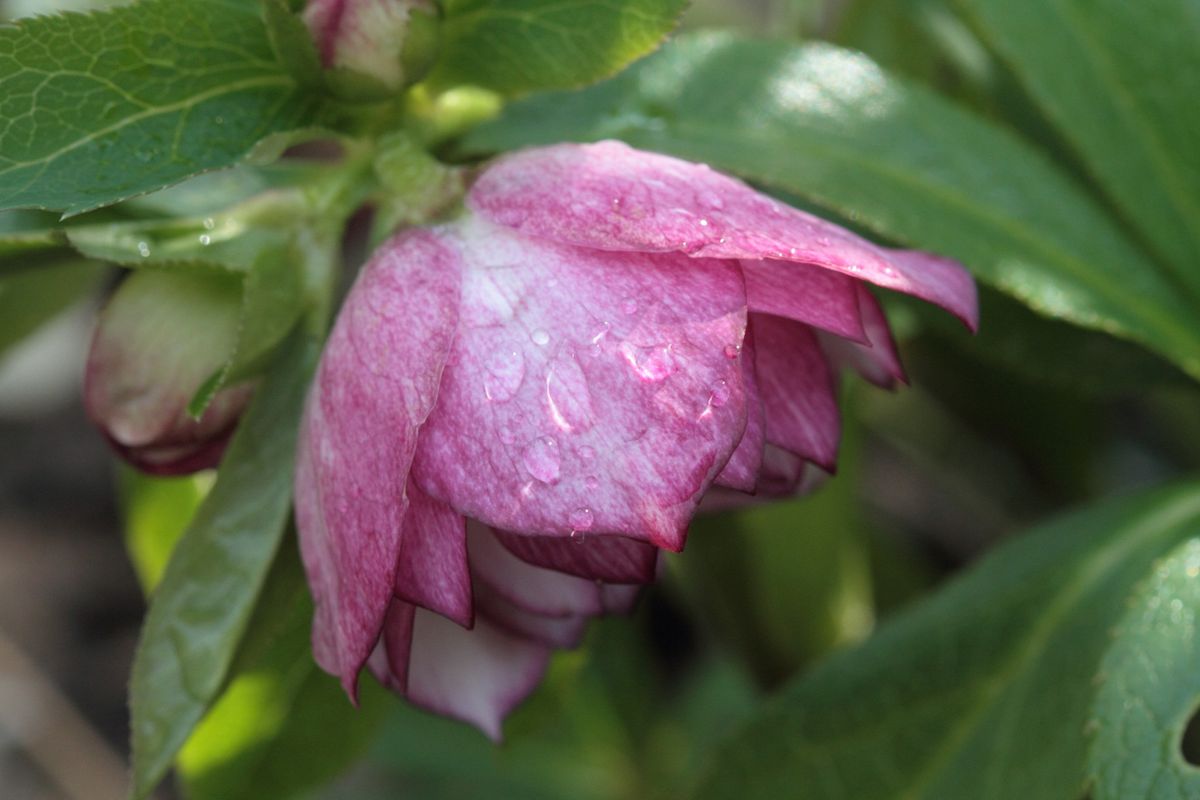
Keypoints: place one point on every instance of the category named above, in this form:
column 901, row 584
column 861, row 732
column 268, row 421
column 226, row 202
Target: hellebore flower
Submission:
column 159, row 338
column 518, row 409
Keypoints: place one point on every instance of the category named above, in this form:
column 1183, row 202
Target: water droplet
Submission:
column 586, row 453
column 143, row 249
column 505, row 372
column 567, row 394
column 205, row 239
column 714, row 201
column 591, row 482
column 653, row 363
column 542, row 459
column 703, row 223
column 733, row 350
column 791, row 251
column 720, row 394
column 629, row 306
column 540, row 337
column 209, row 223
column 581, row 519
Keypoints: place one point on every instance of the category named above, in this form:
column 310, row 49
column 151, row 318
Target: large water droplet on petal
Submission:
column 653, row 363
column 567, row 394
column 505, row 371
column 542, row 459
column 720, row 394
column 581, row 519
column 540, row 337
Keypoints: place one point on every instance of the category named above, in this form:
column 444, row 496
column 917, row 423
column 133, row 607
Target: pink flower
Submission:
column 161, row 336
column 518, row 409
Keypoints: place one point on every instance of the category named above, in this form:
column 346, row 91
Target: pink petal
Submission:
column 741, row 471
column 878, row 361
column 796, row 386
column 541, row 591
column 601, row 391
column 432, row 571
column 819, row 297
column 610, row 196
column 565, row 632
column 619, row 598
column 477, row 676
column 594, row 557
column 376, row 384
column 389, row 660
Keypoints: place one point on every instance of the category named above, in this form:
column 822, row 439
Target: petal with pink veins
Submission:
column 609, row 196
column 601, row 391
column 476, row 675
column 563, row 632
column 597, row 557
column 742, row 470
column 797, row 390
column 538, row 590
column 878, row 360
column 375, row 386
column 819, row 297
column 432, row 570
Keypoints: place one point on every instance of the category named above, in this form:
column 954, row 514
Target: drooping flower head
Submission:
column 518, row 409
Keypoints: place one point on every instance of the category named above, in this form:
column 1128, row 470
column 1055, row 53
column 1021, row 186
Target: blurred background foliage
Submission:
column 997, row 432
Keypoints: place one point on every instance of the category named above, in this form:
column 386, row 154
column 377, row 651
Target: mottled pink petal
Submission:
column 783, row 472
column 595, row 557
column 377, row 381
column 585, row 390
column 563, row 632
column 541, row 591
column 819, row 297
column 742, row 469
column 391, row 657
column 476, row 675
column 612, row 197
column 432, row 570
column 797, row 389
column 878, row 361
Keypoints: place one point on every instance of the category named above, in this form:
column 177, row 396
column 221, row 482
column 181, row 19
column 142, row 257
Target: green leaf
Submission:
column 983, row 690
column 201, row 608
column 156, row 513
column 103, row 106
column 828, row 125
column 1120, row 81
column 1150, row 688
column 272, row 300
column 31, row 297
column 514, row 46
column 283, row 725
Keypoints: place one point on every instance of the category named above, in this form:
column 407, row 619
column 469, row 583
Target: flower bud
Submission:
column 391, row 41
column 161, row 336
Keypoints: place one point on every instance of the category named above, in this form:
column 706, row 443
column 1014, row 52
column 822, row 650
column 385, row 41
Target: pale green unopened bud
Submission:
column 392, row 42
